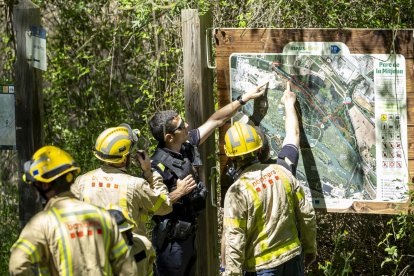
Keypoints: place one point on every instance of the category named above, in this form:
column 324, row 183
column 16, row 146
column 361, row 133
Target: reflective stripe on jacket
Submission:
column 70, row 237
column 112, row 185
column 261, row 212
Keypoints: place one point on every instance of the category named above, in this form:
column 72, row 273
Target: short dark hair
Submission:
column 264, row 151
column 161, row 124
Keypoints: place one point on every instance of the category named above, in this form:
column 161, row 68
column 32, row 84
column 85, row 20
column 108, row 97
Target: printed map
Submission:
column 352, row 113
column 7, row 122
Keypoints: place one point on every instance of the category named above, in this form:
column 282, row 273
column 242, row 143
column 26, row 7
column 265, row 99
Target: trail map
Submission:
column 7, row 118
column 353, row 120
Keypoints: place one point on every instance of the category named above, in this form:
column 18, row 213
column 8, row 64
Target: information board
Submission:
column 354, row 89
column 7, row 118
column 353, row 113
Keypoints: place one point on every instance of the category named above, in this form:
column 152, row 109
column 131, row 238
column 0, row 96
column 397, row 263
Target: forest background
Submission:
column 119, row 61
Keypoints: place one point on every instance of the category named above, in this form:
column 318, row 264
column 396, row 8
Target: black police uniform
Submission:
column 174, row 234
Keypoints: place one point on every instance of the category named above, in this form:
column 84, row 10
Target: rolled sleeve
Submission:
column 155, row 202
column 291, row 152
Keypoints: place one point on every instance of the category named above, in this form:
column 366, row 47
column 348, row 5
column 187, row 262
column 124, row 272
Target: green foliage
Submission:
column 8, row 207
column 315, row 14
column 7, row 56
column 355, row 249
column 341, row 259
column 118, row 62
column 398, row 243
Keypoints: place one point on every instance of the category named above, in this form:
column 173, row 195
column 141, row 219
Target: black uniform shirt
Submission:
column 292, row 153
column 181, row 209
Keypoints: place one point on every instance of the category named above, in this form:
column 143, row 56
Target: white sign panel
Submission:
column 36, row 47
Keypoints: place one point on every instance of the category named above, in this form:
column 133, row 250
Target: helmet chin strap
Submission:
column 128, row 161
column 58, row 186
column 235, row 169
column 42, row 191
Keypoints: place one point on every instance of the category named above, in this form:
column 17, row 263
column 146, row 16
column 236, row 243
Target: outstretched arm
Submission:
column 222, row 115
column 291, row 118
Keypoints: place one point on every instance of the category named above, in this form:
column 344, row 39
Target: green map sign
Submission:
column 353, row 116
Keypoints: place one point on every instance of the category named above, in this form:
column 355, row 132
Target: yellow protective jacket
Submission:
column 143, row 253
column 70, row 237
column 262, row 211
column 113, row 185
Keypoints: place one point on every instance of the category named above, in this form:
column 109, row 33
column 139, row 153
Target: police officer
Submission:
column 176, row 159
column 112, row 184
column 265, row 205
column 68, row 237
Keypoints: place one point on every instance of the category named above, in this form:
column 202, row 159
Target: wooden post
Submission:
column 199, row 104
column 28, row 86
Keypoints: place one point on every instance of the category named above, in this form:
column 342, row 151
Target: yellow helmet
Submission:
column 241, row 139
column 122, row 217
column 49, row 163
column 114, row 144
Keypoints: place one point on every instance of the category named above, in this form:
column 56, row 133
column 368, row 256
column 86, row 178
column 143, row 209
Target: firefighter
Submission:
column 288, row 153
column 112, row 184
column 68, row 237
column 140, row 249
column 267, row 220
column 288, row 156
column 177, row 159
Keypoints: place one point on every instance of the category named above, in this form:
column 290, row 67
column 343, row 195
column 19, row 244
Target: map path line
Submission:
column 306, row 92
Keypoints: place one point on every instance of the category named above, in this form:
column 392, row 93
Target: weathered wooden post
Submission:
column 28, row 87
column 199, row 103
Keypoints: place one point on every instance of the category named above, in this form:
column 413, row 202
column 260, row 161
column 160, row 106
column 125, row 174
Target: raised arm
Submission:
column 224, row 114
column 291, row 118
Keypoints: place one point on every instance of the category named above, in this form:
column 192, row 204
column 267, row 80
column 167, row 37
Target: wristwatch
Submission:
column 239, row 98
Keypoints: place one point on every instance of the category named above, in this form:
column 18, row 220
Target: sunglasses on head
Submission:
column 180, row 126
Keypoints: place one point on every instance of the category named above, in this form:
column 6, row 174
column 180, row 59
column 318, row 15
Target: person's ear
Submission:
column 69, row 177
column 169, row 137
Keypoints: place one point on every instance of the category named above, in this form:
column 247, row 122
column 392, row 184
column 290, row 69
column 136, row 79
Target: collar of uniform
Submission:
column 174, row 154
column 59, row 197
column 111, row 169
column 245, row 167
